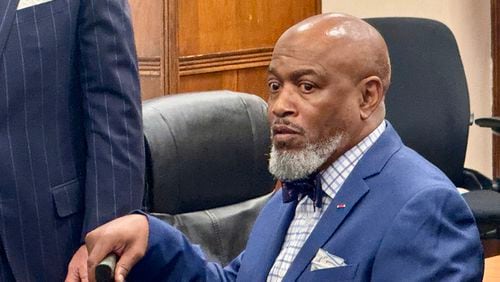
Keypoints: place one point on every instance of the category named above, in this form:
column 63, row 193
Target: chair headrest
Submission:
column 205, row 150
column 428, row 100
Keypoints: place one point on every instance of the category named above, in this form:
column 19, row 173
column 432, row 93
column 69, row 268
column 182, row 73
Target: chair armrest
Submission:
column 490, row 122
column 474, row 180
column 221, row 232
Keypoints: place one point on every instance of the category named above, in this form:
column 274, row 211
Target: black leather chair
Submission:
column 206, row 162
column 428, row 104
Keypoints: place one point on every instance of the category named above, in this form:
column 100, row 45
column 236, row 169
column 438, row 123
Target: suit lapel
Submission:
column 267, row 241
column 348, row 197
column 7, row 14
column 351, row 193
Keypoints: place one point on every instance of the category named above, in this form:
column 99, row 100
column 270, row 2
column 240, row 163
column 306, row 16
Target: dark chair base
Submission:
column 485, row 204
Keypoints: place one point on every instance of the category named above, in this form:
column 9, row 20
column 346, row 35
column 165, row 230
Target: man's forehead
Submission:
column 297, row 71
column 313, row 45
column 315, row 56
column 289, row 69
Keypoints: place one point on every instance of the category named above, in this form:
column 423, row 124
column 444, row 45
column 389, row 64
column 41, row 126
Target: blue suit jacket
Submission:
column 71, row 143
column 403, row 220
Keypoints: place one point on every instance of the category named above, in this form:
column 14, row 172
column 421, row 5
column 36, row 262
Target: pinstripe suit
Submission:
column 71, row 146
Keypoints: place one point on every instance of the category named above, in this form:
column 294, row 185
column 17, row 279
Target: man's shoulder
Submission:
column 408, row 168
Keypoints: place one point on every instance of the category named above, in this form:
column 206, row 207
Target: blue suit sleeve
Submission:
column 171, row 257
column 112, row 111
column 433, row 238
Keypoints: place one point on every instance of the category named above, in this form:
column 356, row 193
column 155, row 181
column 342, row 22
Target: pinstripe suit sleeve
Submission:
column 113, row 124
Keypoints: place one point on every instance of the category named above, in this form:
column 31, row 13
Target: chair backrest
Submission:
column 205, row 150
column 206, row 166
column 428, row 101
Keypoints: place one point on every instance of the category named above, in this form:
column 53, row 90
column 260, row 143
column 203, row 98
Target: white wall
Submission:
column 469, row 20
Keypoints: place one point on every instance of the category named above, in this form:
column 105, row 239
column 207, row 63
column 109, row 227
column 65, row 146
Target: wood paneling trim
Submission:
column 319, row 8
column 241, row 59
column 171, row 44
column 150, row 66
column 495, row 53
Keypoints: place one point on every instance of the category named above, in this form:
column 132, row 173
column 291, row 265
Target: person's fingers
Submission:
column 77, row 267
column 83, row 273
column 72, row 276
column 120, row 273
column 126, row 237
column 120, row 278
column 77, row 275
column 97, row 253
column 91, row 240
column 125, row 263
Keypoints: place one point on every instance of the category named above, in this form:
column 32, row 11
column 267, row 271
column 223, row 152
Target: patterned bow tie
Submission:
column 310, row 186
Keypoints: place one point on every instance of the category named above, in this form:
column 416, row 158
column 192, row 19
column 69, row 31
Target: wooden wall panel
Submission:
column 211, row 26
column 254, row 81
column 214, row 62
column 148, row 20
column 232, row 41
column 251, row 80
column 198, row 45
column 208, row 81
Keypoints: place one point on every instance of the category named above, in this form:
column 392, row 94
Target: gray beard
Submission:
column 296, row 164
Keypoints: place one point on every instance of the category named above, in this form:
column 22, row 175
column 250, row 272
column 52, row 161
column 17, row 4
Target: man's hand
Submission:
column 77, row 268
column 126, row 236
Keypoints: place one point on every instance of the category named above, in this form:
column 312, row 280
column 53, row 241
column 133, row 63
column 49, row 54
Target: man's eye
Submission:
column 306, row 87
column 273, row 86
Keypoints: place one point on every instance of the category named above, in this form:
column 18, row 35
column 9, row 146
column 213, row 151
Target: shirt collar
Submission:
column 334, row 176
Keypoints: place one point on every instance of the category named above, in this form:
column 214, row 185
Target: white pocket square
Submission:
column 28, row 3
column 324, row 260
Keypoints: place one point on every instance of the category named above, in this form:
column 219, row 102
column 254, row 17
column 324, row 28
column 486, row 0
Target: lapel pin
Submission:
column 340, row 206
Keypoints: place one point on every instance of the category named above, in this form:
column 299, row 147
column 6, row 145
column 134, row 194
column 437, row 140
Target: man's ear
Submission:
column 372, row 96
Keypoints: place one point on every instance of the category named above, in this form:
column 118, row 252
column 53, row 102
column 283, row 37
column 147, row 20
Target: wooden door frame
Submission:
column 171, row 46
column 495, row 54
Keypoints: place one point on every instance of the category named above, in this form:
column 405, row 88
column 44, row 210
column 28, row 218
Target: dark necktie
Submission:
column 310, row 186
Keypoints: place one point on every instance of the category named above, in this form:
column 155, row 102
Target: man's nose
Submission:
column 283, row 104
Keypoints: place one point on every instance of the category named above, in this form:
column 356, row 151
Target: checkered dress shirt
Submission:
column 307, row 216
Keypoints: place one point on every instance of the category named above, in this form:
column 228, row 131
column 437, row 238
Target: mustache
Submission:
column 281, row 122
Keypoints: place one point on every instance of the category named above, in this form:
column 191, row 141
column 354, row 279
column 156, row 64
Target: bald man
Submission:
column 356, row 204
